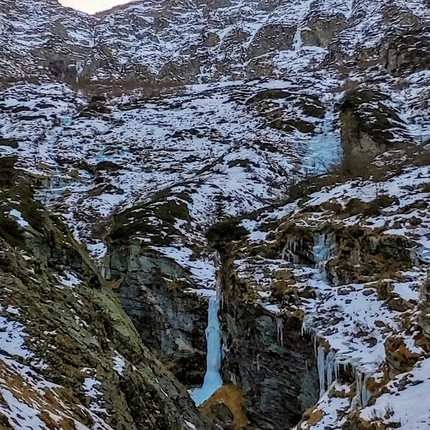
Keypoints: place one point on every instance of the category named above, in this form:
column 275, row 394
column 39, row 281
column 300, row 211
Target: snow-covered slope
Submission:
column 143, row 126
column 207, row 143
column 354, row 258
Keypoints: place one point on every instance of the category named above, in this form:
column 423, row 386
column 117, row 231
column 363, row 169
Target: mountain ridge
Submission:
column 197, row 42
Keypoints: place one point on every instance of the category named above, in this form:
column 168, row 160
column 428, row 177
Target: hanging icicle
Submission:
column 280, row 331
column 330, row 366
column 323, row 250
column 328, row 369
column 362, row 393
column 289, row 251
column 321, row 369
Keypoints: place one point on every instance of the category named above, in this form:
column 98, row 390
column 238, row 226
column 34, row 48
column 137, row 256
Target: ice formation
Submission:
column 280, row 331
column 322, row 250
column 324, row 149
column 212, row 380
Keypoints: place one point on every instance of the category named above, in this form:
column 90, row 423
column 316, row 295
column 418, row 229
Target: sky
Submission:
column 92, row 6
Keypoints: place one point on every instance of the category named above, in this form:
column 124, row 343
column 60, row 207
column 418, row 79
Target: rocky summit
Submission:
column 215, row 215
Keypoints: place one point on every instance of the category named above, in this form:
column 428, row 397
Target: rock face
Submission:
column 399, row 358
column 271, row 103
column 208, row 41
column 361, row 255
column 408, row 53
column 266, row 357
column 321, row 31
column 369, row 127
column 271, row 38
column 60, row 349
column 170, row 321
column 356, row 254
column 276, row 372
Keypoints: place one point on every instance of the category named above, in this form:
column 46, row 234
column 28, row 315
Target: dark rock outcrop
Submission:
column 408, row 53
column 369, row 127
column 266, row 357
column 270, row 38
column 320, row 31
column 170, row 321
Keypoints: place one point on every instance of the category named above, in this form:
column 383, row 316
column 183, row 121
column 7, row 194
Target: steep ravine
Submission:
column 266, row 356
column 269, row 368
column 70, row 357
column 266, row 362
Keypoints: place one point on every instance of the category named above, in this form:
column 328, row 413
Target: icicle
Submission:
column 284, row 251
column 359, row 386
column 322, row 251
column 330, row 368
column 362, row 393
column 297, row 41
column 280, row 331
column 288, row 253
column 336, row 370
column 365, row 394
column 321, row 369
column 303, row 330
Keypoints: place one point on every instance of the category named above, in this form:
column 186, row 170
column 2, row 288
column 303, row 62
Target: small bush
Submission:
column 225, row 231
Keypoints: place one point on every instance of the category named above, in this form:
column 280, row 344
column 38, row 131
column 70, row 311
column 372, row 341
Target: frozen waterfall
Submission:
column 297, row 41
column 212, row 380
column 323, row 250
column 324, row 150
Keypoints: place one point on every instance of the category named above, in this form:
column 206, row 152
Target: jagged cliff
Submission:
column 70, row 357
column 275, row 151
column 348, row 261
